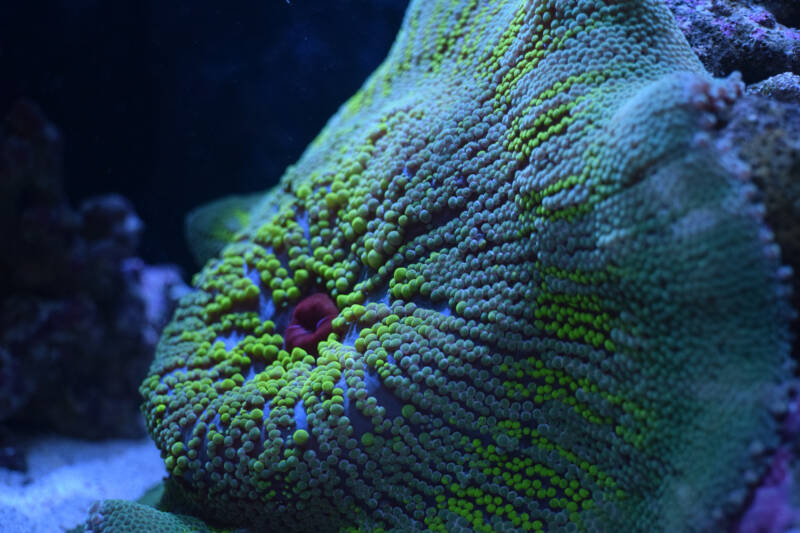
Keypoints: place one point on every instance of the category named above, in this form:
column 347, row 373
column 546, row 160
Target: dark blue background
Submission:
column 175, row 103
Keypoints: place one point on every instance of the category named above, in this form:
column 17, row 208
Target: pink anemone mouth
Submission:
column 310, row 323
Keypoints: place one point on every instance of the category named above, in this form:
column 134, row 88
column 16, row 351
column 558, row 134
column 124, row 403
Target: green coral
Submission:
column 120, row 516
column 559, row 308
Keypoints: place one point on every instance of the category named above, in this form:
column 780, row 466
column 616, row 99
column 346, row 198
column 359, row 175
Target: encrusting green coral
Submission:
column 112, row 516
column 559, row 308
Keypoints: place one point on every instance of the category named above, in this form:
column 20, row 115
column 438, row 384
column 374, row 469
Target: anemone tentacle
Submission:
column 553, row 301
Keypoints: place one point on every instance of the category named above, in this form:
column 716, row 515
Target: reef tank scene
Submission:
column 390, row 266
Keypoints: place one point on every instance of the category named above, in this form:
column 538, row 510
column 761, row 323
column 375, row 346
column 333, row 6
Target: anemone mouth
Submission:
column 310, row 323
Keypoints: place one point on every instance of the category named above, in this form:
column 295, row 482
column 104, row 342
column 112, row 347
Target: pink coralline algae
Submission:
column 773, row 507
column 771, row 510
column 758, row 39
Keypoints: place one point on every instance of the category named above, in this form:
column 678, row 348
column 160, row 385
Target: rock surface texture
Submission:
column 757, row 38
column 79, row 313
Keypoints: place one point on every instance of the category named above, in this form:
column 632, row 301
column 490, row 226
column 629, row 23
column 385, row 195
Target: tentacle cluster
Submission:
column 512, row 286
